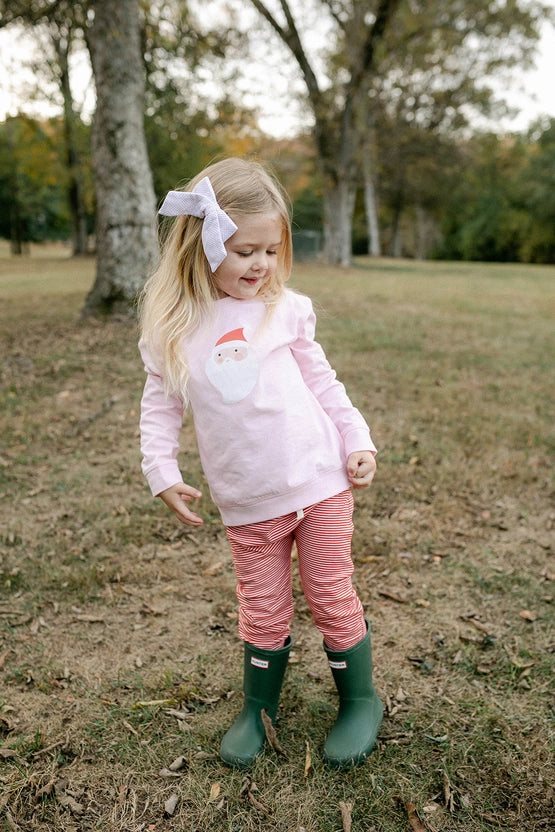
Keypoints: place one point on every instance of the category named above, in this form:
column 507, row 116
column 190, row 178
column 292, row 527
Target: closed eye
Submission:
column 250, row 253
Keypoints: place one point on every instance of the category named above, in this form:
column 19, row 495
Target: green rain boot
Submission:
column 263, row 677
column 360, row 710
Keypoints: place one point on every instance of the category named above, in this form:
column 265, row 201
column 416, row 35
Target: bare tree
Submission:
column 362, row 26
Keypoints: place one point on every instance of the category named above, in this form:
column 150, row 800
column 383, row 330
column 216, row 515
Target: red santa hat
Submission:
column 233, row 335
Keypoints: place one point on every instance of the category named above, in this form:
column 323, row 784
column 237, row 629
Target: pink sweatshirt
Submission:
column 274, row 426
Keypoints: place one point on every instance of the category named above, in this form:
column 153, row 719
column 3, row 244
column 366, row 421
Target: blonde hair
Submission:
column 181, row 293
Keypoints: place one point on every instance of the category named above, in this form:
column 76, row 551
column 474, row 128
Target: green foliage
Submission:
column 177, row 140
column 537, row 182
column 33, row 206
column 503, row 207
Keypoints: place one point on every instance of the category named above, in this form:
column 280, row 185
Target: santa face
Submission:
column 233, row 367
column 251, row 256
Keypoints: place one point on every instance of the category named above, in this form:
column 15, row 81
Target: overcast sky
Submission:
column 532, row 93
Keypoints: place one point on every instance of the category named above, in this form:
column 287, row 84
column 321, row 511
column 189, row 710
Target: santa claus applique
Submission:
column 233, row 367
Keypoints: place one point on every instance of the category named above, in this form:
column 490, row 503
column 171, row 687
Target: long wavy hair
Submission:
column 181, row 293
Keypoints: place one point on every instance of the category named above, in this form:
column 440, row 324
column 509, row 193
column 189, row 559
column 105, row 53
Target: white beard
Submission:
column 233, row 378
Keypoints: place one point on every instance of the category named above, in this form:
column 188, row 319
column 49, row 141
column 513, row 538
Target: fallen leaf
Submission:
column 256, row 803
column 171, row 804
column 178, row 763
column 392, row 596
column 214, row 569
column 271, row 735
column 5, row 726
column 443, row 738
column 152, row 703
column 484, row 628
column 4, row 656
column 528, row 615
column 37, row 624
column 390, row 708
column 10, row 754
column 448, row 793
column 346, row 809
column 415, row 822
column 307, row 761
column 130, row 728
column 147, row 609
column 214, row 791
column 180, row 715
column 248, row 788
column 209, row 700
column 67, row 800
column 399, row 738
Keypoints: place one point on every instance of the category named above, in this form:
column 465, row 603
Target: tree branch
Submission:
column 335, row 15
column 385, row 11
column 290, row 36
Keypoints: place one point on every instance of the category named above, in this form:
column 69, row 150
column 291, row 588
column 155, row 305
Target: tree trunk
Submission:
column 421, row 232
column 125, row 232
column 371, row 207
column 75, row 186
column 369, row 167
column 396, row 241
column 339, row 203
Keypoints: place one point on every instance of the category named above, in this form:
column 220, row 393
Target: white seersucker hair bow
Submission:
column 217, row 226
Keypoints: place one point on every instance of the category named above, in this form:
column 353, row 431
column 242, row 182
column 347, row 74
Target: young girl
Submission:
column 279, row 440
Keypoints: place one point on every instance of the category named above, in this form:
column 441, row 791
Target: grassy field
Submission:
column 118, row 644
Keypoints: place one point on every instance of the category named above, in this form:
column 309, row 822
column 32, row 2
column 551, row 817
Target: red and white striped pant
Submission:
column 262, row 558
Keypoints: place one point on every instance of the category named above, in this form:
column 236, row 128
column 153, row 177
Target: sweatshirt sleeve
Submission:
column 160, row 424
column 321, row 379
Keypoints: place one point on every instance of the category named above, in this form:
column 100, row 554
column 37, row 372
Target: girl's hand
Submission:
column 361, row 467
column 176, row 499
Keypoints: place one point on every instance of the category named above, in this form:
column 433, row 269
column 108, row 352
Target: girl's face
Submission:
column 252, row 256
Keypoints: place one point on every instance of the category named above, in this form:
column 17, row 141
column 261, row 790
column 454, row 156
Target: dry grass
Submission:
column 111, row 616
